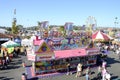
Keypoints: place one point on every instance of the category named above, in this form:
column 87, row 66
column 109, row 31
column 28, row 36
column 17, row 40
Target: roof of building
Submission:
column 75, row 52
column 5, row 36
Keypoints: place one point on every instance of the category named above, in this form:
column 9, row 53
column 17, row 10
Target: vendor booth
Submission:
column 8, row 47
column 46, row 60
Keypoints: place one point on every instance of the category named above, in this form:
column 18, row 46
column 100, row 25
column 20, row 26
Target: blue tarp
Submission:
column 17, row 40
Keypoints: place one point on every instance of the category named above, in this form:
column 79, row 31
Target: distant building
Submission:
column 4, row 38
column 3, row 31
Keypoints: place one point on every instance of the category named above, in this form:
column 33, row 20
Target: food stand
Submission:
column 45, row 60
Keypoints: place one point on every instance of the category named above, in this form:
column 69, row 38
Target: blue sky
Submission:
column 57, row 12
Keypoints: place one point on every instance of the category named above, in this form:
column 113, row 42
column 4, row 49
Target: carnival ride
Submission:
column 70, row 39
column 91, row 24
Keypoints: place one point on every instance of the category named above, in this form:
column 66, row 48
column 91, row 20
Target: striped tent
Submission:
column 100, row 36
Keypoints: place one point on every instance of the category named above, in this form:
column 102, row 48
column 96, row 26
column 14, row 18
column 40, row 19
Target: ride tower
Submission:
column 14, row 27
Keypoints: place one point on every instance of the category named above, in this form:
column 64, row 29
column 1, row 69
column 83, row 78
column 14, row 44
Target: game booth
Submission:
column 45, row 60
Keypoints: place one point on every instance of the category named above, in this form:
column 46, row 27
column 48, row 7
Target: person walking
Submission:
column 68, row 69
column 79, row 70
column 104, row 64
column 103, row 73
column 107, row 76
column 25, row 51
column 99, row 76
column 4, row 63
column 119, row 56
column 87, row 73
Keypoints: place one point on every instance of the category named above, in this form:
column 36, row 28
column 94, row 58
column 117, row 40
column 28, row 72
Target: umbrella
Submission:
column 9, row 44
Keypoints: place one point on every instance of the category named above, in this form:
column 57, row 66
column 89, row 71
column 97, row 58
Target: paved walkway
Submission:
column 113, row 67
column 15, row 70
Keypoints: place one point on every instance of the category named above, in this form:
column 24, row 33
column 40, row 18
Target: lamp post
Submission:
column 116, row 22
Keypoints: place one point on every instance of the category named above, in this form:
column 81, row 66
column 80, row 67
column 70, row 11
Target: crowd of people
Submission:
column 6, row 58
column 102, row 74
column 105, row 48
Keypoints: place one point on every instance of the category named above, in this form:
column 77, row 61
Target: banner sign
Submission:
column 45, row 56
column 31, row 57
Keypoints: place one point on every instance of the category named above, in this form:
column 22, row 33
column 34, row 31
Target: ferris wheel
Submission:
column 91, row 24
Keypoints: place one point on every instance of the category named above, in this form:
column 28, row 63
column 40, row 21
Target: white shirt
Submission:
column 107, row 75
column 79, row 68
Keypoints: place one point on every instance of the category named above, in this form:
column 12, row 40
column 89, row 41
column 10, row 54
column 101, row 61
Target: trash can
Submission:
column 24, row 76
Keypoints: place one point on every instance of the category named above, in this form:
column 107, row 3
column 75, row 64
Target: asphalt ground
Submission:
column 15, row 70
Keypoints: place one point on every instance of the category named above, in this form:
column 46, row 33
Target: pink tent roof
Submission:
column 69, row 53
column 38, row 42
column 72, row 53
column 100, row 36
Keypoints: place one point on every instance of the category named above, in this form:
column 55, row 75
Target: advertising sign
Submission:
column 31, row 57
column 91, row 51
column 45, row 56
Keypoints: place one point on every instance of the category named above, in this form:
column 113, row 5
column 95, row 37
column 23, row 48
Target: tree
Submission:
column 19, row 27
column 62, row 30
column 14, row 28
column 76, row 28
column 9, row 29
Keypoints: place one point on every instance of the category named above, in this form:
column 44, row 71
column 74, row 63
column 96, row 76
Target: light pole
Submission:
column 116, row 22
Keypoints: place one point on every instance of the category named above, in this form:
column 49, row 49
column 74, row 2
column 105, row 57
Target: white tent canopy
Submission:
column 25, row 42
column 9, row 44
